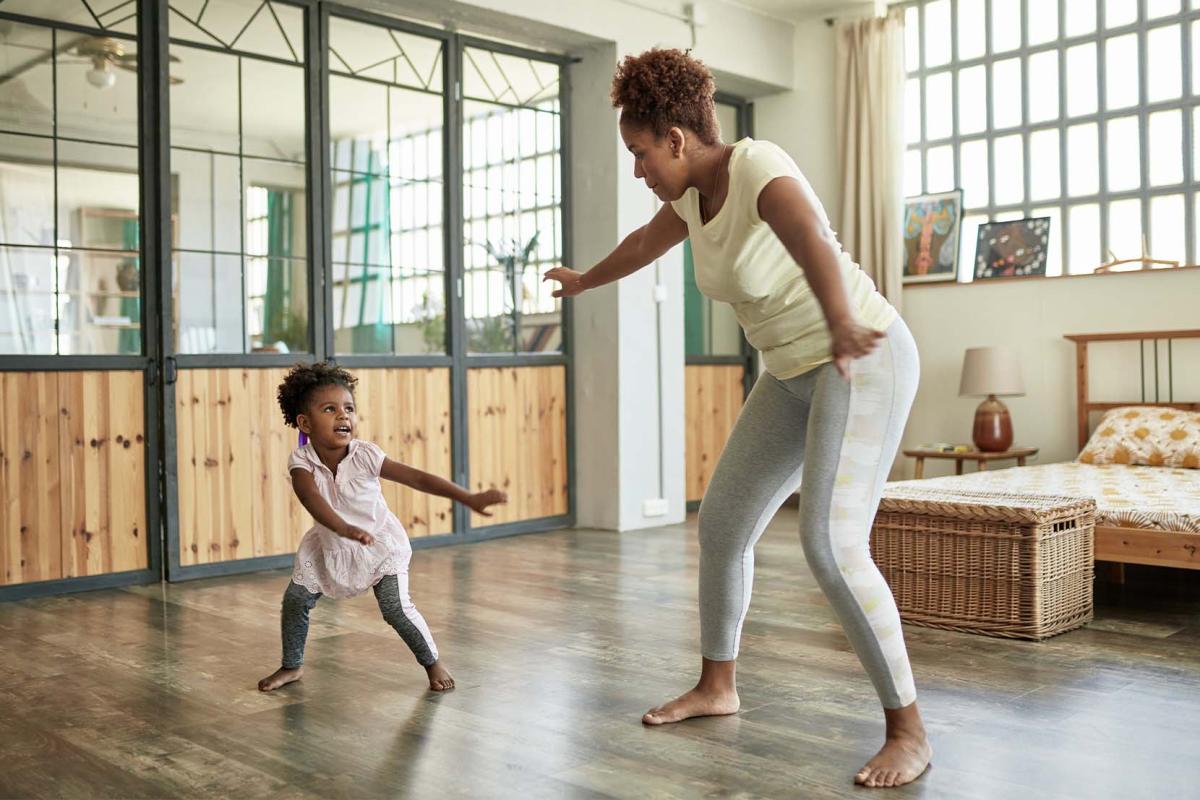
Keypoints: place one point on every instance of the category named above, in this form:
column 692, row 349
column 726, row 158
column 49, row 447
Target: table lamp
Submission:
column 989, row 372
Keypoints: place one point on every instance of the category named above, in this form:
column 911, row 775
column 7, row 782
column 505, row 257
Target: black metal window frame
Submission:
column 149, row 360
column 161, row 362
column 456, row 359
column 1186, row 104
column 319, row 227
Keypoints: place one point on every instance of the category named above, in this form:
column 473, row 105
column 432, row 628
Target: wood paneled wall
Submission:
column 714, row 397
column 517, row 440
column 407, row 413
column 235, row 500
column 232, row 449
column 72, row 475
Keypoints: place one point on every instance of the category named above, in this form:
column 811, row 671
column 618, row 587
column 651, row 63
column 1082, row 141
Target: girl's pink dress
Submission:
column 333, row 565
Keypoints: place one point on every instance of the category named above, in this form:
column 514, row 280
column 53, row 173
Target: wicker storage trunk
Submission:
column 998, row 564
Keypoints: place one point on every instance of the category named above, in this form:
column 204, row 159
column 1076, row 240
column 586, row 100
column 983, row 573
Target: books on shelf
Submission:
column 946, row 447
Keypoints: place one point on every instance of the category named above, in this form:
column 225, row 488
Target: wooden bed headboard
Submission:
column 1084, row 406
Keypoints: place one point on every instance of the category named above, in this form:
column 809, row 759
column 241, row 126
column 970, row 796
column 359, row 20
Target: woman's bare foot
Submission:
column 905, row 754
column 696, row 703
column 715, row 695
column 280, row 677
column 440, row 679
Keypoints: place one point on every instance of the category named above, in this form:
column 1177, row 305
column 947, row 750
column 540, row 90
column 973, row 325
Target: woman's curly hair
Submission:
column 662, row 89
column 300, row 382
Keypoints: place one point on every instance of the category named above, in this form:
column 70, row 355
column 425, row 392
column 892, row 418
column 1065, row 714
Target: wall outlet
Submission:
column 654, row 507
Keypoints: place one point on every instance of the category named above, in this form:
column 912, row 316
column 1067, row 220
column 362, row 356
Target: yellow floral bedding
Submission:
column 1146, row 435
column 1157, row 498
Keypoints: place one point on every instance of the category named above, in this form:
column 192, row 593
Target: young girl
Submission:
column 357, row 543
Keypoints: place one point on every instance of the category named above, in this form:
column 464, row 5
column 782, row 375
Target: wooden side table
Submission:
column 978, row 456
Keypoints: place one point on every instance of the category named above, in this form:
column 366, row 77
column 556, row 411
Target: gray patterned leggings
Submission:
column 396, row 607
column 834, row 440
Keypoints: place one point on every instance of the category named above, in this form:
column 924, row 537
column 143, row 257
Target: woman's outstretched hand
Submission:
column 480, row 501
column 851, row 341
column 570, row 281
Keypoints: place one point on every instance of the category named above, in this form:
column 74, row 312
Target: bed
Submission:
column 1146, row 514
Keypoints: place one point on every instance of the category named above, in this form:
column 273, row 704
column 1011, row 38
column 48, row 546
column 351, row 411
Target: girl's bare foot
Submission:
column 440, row 679
column 279, row 677
column 699, row 702
column 905, row 753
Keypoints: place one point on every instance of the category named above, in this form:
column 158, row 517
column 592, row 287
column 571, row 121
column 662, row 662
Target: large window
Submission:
column 386, row 134
column 238, row 173
column 245, row 117
column 1083, row 111
column 512, row 202
column 69, row 203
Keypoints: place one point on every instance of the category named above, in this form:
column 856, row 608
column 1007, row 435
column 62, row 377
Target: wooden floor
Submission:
column 559, row 642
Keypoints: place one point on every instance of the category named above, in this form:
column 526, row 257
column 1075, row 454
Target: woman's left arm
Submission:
column 784, row 205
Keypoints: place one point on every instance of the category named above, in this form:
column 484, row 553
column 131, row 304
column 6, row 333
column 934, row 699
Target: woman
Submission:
column 842, row 370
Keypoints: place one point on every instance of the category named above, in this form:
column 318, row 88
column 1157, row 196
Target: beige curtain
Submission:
column 869, row 57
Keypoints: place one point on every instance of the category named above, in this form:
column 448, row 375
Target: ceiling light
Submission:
column 101, row 75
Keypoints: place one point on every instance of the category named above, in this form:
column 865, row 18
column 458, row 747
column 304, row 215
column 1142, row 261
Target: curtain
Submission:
column 869, row 63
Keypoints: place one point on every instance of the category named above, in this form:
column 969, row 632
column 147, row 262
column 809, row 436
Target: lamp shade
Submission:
column 991, row 370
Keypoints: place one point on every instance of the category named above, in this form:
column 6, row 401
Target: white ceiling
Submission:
column 796, row 9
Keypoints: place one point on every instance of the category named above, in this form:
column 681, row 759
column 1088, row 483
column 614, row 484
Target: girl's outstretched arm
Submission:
column 440, row 487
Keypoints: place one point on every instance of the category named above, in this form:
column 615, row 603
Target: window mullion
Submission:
column 1144, row 121
column 955, row 134
column 1186, row 126
column 1063, row 153
column 924, row 149
column 990, row 116
column 1102, row 126
column 1026, row 176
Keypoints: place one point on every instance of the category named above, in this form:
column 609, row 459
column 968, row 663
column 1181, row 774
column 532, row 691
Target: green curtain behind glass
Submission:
column 277, row 300
column 129, row 341
column 693, row 307
column 374, row 221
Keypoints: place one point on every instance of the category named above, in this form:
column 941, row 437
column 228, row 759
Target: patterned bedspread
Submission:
column 1157, row 498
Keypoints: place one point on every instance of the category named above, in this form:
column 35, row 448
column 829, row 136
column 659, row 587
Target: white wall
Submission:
column 734, row 40
column 1032, row 316
column 801, row 120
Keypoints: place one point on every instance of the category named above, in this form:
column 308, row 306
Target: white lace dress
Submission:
column 333, row 565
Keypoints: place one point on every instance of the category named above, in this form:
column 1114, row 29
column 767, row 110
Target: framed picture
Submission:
column 1015, row 249
column 932, row 227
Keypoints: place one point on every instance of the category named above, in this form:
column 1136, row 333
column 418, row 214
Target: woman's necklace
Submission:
column 705, row 215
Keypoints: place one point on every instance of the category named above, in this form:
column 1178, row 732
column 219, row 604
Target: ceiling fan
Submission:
column 104, row 54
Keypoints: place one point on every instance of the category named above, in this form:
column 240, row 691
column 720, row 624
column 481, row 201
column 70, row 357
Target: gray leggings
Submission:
column 835, row 440
column 397, row 611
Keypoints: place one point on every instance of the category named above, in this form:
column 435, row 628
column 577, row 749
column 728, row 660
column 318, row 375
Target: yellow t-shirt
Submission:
column 739, row 260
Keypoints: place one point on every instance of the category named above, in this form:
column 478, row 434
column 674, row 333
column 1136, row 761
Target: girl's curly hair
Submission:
column 300, row 382
column 662, row 89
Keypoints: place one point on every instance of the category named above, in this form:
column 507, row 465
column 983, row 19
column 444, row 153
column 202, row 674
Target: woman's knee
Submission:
column 715, row 524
